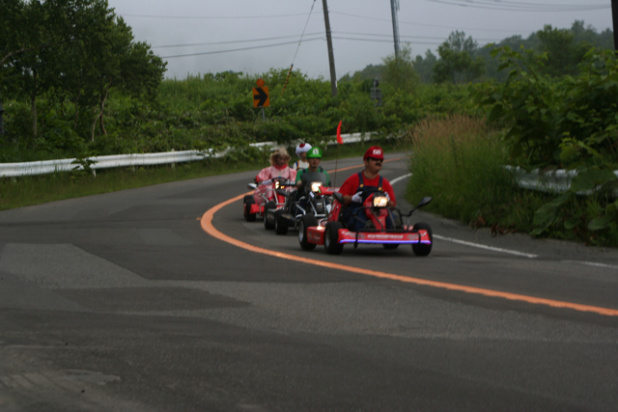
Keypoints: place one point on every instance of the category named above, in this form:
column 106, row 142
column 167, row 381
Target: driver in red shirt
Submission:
column 367, row 180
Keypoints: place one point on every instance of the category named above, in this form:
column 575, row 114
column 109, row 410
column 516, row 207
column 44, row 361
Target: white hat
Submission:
column 302, row 148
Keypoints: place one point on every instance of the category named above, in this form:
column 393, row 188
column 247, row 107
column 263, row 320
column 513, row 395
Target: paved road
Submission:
column 123, row 302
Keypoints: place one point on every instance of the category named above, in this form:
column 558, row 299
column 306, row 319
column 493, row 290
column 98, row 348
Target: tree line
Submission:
column 461, row 60
column 74, row 82
column 68, row 55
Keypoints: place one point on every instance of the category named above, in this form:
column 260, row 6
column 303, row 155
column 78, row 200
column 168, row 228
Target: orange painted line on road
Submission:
column 208, row 227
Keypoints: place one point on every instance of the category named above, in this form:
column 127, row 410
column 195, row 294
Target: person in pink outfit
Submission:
column 278, row 167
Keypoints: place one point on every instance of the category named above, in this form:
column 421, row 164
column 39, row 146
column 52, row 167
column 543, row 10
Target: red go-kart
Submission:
column 269, row 194
column 379, row 224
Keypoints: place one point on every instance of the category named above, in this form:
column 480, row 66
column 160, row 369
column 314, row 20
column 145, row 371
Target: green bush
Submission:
column 568, row 122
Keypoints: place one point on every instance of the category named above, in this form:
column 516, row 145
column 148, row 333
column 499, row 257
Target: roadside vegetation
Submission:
column 546, row 102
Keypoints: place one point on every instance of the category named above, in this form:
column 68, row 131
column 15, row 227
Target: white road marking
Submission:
column 507, row 251
column 400, row 178
column 476, row 245
column 491, row 248
column 595, row 264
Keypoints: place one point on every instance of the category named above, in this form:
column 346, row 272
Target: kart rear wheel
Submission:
column 331, row 238
column 246, row 208
column 422, row 249
column 269, row 218
column 281, row 225
column 305, row 222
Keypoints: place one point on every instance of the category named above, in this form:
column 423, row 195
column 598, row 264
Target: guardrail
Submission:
column 133, row 160
column 557, row 181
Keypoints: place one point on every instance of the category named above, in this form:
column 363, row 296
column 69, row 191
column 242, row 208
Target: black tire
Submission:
column 331, row 238
column 281, row 226
column 305, row 222
column 422, row 249
column 269, row 224
column 246, row 208
column 390, row 246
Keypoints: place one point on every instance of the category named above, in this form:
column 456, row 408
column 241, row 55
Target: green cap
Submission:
column 314, row 153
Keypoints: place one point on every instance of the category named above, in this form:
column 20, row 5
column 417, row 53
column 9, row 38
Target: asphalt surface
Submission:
column 124, row 302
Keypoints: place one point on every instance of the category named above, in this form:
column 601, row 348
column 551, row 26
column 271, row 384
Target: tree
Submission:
column 399, row 72
column 563, row 52
column 12, row 10
column 84, row 36
column 93, row 52
column 457, row 63
column 9, row 26
column 132, row 68
column 424, row 67
column 28, row 44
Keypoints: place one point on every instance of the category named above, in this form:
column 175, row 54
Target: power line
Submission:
column 523, row 7
column 358, row 37
column 417, row 24
column 428, row 41
column 303, row 33
column 232, row 41
column 168, row 17
column 238, row 49
column 339, row 35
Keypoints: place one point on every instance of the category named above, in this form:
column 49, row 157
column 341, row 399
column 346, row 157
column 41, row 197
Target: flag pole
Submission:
column 339, row 142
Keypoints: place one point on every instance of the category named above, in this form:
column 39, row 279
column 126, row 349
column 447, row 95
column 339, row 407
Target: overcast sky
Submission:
column 253, row 36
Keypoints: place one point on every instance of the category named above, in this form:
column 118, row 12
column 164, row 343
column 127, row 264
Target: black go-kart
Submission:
column 312, row 198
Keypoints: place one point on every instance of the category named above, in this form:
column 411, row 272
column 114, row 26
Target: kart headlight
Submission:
column 315, row 187
column 277, row 184
column 380, row 201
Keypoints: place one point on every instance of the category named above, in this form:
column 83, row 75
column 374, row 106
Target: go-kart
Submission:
column 267, row 195
column 312, row 198
column 371, row 223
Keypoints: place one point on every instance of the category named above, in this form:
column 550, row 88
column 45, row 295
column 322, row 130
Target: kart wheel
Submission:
column 305, row 222
column 331, row 238
column 269, row 218
column 422, row 249
column 246, row 208
column 390, row 246
column 281, row 226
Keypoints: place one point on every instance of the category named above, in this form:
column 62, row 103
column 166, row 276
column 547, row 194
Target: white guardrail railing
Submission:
column 134, row 160
column 557, row 181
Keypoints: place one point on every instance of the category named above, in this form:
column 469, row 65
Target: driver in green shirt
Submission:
column 314, row 172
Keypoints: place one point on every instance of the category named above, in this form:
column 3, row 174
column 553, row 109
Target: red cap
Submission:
column 375, row 152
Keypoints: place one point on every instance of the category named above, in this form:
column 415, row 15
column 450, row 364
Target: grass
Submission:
column 459, row 161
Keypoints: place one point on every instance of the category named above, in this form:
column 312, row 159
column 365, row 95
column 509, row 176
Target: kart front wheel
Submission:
column 281, row 225
column 246, row 208
column 331, row 238
column 422, row 249
column 305, row 222
column 269, row 217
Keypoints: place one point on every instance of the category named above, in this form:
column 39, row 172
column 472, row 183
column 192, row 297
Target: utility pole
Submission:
column 331, row 56
column 394, row 8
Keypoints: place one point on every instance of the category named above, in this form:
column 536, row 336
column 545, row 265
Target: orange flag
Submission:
column 339, row 139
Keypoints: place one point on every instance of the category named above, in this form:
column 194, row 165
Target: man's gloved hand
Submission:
column 357, row 197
